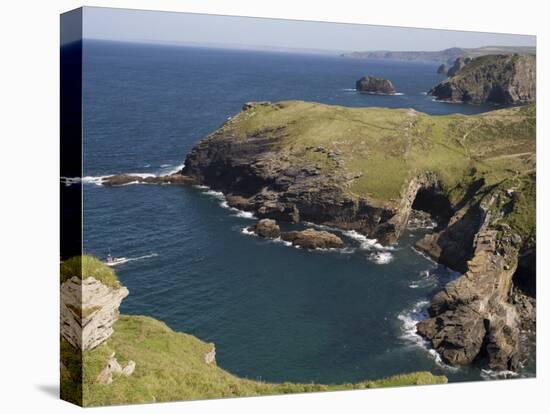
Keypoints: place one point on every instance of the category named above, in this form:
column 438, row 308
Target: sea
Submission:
column 275, row 312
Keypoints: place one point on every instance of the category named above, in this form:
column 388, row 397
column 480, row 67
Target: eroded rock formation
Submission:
column 89, row 310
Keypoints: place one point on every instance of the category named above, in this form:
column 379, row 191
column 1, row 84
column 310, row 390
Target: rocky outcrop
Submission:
column 267, row 228
column 313, row 239
column 371, row 84
column 210, row 356
column 501, row 79
column 124, row 179
column 114, row 368
column 471, row 319
column 442, row 69
column 89, row 310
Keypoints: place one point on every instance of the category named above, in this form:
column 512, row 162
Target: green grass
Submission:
column 88, row 266
column 385, row 148
column 170, row 366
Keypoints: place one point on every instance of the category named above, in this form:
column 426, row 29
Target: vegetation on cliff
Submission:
column 86, row 266
column 169, row 365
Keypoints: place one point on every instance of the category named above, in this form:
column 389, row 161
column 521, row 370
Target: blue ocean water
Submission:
column 274, row 312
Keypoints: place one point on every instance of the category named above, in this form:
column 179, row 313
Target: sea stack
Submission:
column 371, row 84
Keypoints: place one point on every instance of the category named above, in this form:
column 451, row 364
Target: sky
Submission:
column 228, row 31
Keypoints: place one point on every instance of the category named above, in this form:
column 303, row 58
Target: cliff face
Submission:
column 365, row 169
column 89, row 310
column 503, row 79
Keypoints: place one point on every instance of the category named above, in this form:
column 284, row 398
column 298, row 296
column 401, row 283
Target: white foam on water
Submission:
column 448, row 102
column 131, row 259
column 366, row 243
column 97, row 180
column 424, row 255
column 216, row 194
column 163, row 165
column 279, row 240
column 141, row 175
column 244, row 214
column 248, row 232
column 424, row 93
column 68, row 181
column 174, row 170
column 201, row 187
column 489, row 374
column 350, row 89
column 381, row 257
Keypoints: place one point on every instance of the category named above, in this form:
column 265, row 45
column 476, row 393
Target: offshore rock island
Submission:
column 367, row 169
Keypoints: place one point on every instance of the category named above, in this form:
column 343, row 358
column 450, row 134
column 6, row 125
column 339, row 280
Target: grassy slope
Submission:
column 390, row 146
column 170, row 366
column 88, row 266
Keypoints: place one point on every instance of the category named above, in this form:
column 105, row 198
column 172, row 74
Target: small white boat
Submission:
column 114, row 261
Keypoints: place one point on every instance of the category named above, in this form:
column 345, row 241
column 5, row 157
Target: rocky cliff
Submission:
column 366, row 169
column 501, row 79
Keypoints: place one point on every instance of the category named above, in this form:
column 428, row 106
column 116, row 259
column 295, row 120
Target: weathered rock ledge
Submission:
column 89, row 310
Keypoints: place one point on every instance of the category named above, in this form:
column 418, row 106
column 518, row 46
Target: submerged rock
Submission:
column 375, row 85
column 313, row 239
column 267, row 228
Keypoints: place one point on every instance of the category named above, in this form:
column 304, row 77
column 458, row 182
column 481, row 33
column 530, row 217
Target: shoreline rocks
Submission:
column 267, row 228
column 307, row 239
column 371, row 84
column 125, row 179
column 313, row 239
